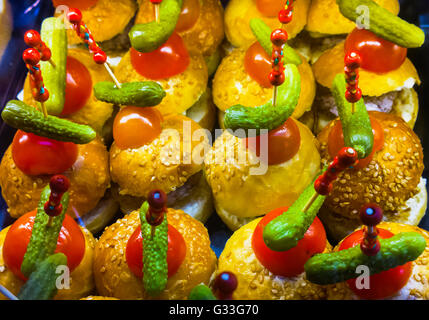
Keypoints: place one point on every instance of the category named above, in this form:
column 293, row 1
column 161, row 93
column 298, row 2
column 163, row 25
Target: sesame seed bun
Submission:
column 94, row 113
column 390, row 179
column 204, row 36
column 338, row 226
column 232, row 180
column 325, row 18
column 372, row 84
column 238, row 14
column 89, row 180
column 81, row 279
column 182, row 90
column 113, row 278
column 105, row 19
column 416, row 287
column 159, row 164
column 233, row 85
column 254, row 280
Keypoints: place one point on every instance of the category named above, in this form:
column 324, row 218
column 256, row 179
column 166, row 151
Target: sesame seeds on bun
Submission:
column 389, row 180
column 89, row 179
column 416, row 287
column 254, row 280
column 113, row 278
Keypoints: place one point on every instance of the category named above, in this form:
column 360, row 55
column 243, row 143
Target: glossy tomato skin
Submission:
column 176, row 251
column 189, row 15
column 134, row 127
column 170, row 59
column 283, row 143
column 270, row 8
column 288, row 263
column 258, row 65
column 336, row 141
column 71, row 242
column 378, row 55
column 79, row 4
column 78, row 86
column 36, row 155
column 384, row 284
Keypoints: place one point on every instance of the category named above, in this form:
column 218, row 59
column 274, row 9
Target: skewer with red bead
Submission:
column 59, row 185
column 285, row 15
column 323, row 185
column 32, row 58
column 225, row 284
column 277, row 75
column 156, row 4
column 371, row 215
column 157, row 200
column 32, row 39
column 75, row 17
column 352, row 62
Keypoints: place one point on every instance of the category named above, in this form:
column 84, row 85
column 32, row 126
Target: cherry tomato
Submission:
column 71, row 242
column 378, row 55
column 270, row 8
column 288, row 263
column 36, row 155
column 170, row 59
column 134, row 126
column 283, row 143
column 176, row 251
column 78, row 86
column 79, row 4
column 383, row 284
column 257, row 64
column 336, row 141
column 189, row 15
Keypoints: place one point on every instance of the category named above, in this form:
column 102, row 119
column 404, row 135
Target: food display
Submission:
column 208, row 150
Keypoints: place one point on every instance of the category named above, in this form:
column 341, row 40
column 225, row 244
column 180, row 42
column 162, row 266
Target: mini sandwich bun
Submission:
column 94, row 113
column 372, row 84
column 105, row 20
column 392, row 180
column 325, row 18
column 81, row 278
column 204, row 36
column 89, row 179
column 182, row 90
column 232, row 180
column 417, row 286
column 113, row 278
column 233, row 85
column 255, row 282
column 238, row 14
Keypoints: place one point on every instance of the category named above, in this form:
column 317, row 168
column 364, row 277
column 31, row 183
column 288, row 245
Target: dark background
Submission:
column 28, row 14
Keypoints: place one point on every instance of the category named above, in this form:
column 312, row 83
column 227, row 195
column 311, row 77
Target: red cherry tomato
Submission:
column 336, row 141
column 176, row 251
column 383, row 284
column 36, row 155
column 79, row 4
column 170, row 59
column 283, row 143
column 270, row 8
column 189, row 15
column 134, row 127
column 71, row 242
column 378, row 55
column 258, row 64
column 288, row 263
column 78, row 86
